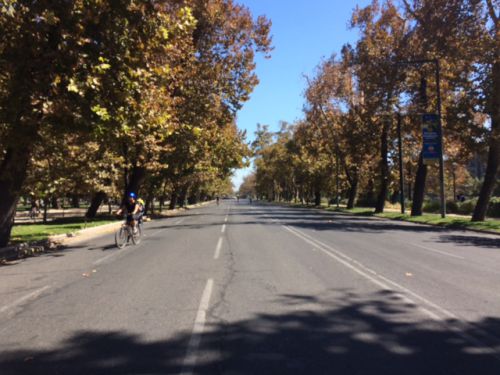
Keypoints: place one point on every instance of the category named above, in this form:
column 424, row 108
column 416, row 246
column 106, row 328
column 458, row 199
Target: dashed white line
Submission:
column 217, row 249
column 25, row 298
column 437, row 251
column 223, row 228
column 199, row 325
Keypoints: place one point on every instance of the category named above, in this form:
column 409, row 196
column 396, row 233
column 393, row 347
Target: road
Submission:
column 258, row 289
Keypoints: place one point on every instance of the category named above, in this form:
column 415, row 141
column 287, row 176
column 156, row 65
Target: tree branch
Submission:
column 491, row 11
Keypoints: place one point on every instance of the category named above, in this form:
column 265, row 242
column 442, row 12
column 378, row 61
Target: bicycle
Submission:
column 126, row 233
column 33, row 214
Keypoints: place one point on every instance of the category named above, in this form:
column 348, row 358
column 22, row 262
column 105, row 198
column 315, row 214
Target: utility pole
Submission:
column 337, row 198
column 440, row 126
column 441, row 156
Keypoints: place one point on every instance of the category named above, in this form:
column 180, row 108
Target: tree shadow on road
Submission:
column 349, row 334
column 477, row 241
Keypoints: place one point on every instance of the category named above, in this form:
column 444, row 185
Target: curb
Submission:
column 52, row 242
column 92, row 230
column 389, row 219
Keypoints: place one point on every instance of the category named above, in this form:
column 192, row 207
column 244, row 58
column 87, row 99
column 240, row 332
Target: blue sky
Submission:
column 304, row 31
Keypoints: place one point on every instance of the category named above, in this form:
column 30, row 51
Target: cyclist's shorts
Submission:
column 131, row 217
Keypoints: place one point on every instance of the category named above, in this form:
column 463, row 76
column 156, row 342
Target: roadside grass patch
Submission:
column 452, row 221
column 31, row 232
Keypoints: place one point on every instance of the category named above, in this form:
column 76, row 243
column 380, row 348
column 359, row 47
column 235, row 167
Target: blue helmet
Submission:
column 132, row 195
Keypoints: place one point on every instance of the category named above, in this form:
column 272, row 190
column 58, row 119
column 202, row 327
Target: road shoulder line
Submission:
column 25, row 298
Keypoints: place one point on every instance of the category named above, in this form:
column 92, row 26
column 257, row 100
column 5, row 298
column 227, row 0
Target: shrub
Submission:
column 431, row 207
column 494, row 207
column 452, row 207
column 467, row 207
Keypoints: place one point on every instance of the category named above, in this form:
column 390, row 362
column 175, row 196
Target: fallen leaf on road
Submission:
column 94, row 271
column 409, row 274
column 86, row 274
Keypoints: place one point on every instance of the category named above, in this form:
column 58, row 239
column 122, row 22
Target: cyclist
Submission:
column 132, row 208
column 142, row 209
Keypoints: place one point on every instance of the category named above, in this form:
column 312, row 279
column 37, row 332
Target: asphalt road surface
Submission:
column 256, row 289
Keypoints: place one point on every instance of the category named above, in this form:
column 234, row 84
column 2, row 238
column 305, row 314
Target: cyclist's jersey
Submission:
column 130, row 207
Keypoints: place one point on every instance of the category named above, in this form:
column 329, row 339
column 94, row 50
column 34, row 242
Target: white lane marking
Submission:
column 345, row 263
column 103, row 259
column 25, row 298
column 437, row 251
column 199, row 325
column 217, row 249
column 223, row 228
column 225, row 219
column 124, row 251
column 385, row 283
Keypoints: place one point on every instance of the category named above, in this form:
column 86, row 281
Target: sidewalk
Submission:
column 23, row 216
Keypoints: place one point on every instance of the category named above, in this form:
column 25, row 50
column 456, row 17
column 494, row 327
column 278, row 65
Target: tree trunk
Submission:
column 12, row 176
column 162, row 200
column 45, row 210
column 490, row 178
column 147, row 206
column 370, row 193
column 410, row 192
column 395, row 196
column 384, row 169
column 75, row 201
column 419, row 189
column 353, row 191
column 182, row 196
column 494, row 143
column 135, row 181
column 97, row 200
column 317, row 197
column 54, row 202
column 173, row 200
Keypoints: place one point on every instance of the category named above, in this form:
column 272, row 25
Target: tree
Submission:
column 137, row 79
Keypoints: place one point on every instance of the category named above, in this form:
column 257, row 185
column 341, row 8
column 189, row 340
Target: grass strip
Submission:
column 451, row 221
column 31, row 232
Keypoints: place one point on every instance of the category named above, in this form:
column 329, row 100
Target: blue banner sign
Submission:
column 432, row 139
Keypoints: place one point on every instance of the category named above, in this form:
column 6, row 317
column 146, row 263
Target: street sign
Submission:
column 432, row 139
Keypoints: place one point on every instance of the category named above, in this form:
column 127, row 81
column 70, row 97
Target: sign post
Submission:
column 433, row 150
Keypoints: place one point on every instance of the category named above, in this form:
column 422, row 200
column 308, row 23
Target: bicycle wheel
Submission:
column 121, row 237
column 137, row 236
